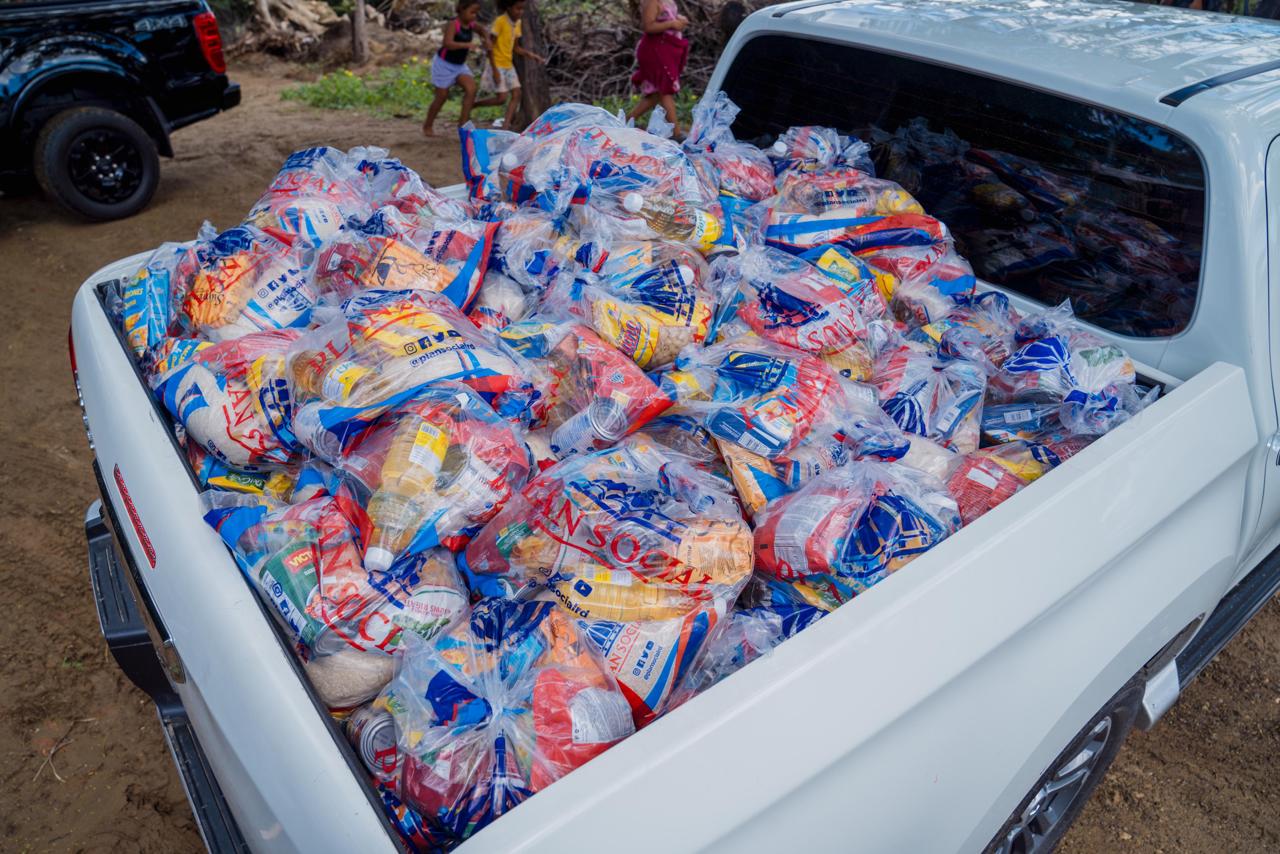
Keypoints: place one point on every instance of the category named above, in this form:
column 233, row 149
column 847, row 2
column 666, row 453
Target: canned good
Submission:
column 373, row 734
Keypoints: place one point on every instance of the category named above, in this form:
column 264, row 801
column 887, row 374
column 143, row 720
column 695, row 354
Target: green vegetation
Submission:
column 404, row 91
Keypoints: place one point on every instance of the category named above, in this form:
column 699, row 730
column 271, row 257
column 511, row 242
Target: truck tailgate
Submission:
column 937, row 696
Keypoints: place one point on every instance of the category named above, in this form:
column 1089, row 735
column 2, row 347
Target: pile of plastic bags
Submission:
column 520, row 472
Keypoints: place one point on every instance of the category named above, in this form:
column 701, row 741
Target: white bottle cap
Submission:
column 378, row 559
column 633, row 202
column 779, row 148
column 509, row 160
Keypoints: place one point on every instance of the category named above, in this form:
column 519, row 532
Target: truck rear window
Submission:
column 1046, row 196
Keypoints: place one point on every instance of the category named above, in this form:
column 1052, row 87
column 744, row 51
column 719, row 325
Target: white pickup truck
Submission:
column 976, row 698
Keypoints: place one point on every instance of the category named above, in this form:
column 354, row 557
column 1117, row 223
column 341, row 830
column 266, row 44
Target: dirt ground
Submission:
column 83, row 765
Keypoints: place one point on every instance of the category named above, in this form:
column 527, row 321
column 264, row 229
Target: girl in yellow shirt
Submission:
column 501, row 76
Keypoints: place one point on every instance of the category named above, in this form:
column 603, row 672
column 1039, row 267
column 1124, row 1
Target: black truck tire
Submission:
column 1046, row 813
column 97, row 163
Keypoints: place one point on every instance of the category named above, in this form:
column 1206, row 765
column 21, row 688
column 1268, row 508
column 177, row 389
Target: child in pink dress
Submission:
column 660, row 57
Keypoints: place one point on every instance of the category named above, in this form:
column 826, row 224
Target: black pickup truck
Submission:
column 90, row 91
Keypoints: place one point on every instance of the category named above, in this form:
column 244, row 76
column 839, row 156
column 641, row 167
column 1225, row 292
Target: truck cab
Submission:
column 973, row 700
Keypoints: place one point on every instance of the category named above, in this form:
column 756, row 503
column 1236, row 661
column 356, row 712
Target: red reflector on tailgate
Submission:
column 135, row 519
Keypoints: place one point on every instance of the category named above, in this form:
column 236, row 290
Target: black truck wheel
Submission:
column 1056, row 799
column 96, row 162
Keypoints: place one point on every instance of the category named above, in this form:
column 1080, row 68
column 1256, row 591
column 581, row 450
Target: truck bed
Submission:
column 907, row 702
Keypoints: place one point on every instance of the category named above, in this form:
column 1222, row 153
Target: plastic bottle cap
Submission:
column 633, row 202
column 509, row 160
column 378, row 559
column 779, row 148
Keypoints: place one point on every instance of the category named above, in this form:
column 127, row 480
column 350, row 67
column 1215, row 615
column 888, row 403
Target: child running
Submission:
column 502, row 69
column 449, row 66
column 660, row 57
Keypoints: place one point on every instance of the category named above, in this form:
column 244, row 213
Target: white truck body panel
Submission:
column 828, row 711
column 288, row 785
column 900, row 722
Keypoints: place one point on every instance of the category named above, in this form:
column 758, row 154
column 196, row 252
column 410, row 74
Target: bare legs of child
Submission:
column 668, row 103
column 643, row 106
column 512, row 106
column 428, row 126
column 653, row 99
column 468, row 84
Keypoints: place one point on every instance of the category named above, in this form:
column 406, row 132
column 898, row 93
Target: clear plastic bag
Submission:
column 436, row 468
column 500, row 303
column 789, row 301
column 313, row 194
column 247, row 280
column 496, row 709
column 739, row 168
column 932, row 398
column 396, row 251
column 636, row 542
column 148, row 310
column 929, row 281
column 806, row 149
column 346, row 621
column 800, row 232
column 648, row 299
column 849, row 425
column 979, row 328
column 759, row 395
column 482, row 151
column 384, row 349
column 851, row 191
column 532, row 248
column 849, row 528
column 1060, row 362
column 212, row 473
column 983, row 479
column 225, row 397
column 748, row 633
column 592, row 395
column 531, row 165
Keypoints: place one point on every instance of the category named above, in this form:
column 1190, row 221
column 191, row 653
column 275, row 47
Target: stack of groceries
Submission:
column 522, row 473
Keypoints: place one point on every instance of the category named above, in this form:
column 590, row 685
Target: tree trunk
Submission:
column 359, row 42
column 535, row 87
column 264, row 13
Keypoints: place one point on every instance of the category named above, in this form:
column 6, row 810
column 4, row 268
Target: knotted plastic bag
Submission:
column 754, row 393
column 849, row 528
column 148, row 298
column 382, row 351
column 636, row 542
column 593, row 395
column 739, row 168
column 312, row 196
column 225, row 397
column 345, row 620
column 435, row 468
column 1060, row 362
column 941, row 400
column 497, row 708
column 248, row 280
column 789, row 301
column 397, row 251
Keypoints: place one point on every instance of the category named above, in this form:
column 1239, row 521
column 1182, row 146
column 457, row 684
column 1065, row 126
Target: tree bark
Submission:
column 535, row 87
column 359, row 41
column 264, row 13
